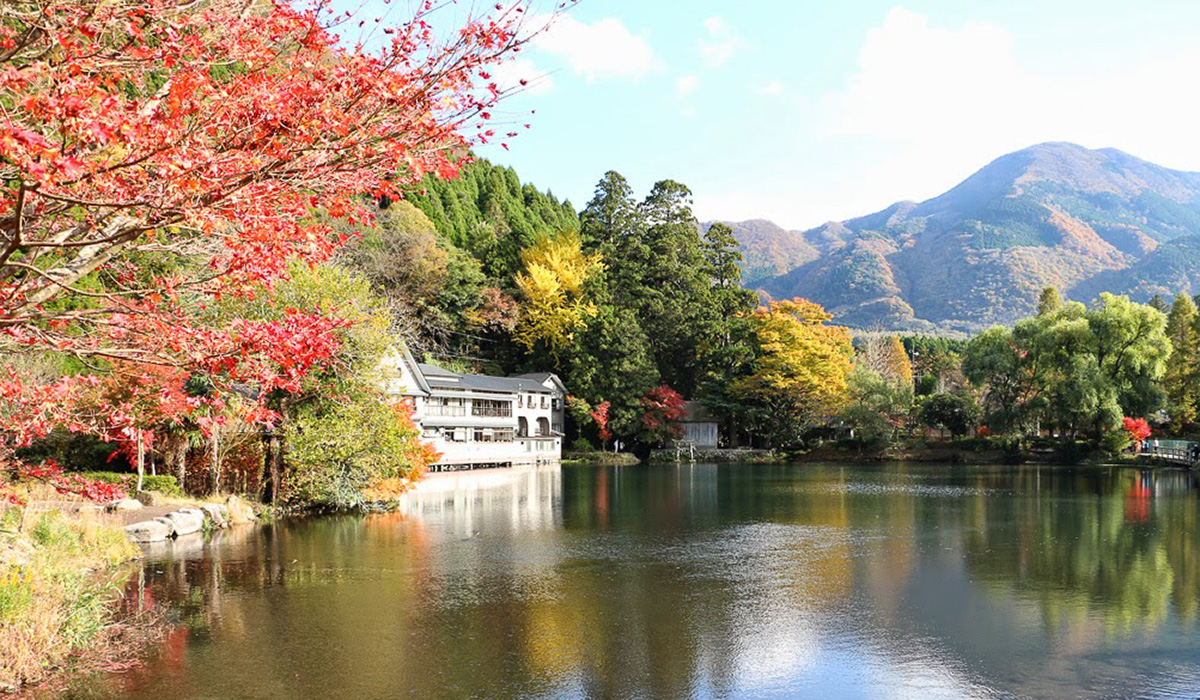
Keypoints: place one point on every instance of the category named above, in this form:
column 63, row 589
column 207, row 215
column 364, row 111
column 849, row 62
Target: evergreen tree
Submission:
column 612, row 215
column 1050, row 301
column 1180, row 381
column 672, row 299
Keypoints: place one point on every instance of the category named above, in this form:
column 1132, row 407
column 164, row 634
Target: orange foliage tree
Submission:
column 158, row 155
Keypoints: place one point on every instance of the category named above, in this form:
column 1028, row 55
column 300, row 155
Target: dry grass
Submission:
column 54, row 596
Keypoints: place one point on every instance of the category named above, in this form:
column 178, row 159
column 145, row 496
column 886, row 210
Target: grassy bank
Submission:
column 55, row 589
column 596, row 457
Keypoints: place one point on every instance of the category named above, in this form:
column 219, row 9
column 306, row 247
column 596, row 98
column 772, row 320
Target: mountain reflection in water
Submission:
column 732, row 581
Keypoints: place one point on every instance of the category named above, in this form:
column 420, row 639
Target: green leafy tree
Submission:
column 1050, row 301
column 337, row 457
column 1073, row 369
column 877, row 407
column 957, row 412
column 1181, row 380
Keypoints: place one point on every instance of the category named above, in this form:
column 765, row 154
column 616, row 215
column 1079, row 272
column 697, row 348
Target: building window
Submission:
column 491, row 409
column 545, row 402
column 520, row 400
column 556, row 403
column 442, row 406
column 493, row 435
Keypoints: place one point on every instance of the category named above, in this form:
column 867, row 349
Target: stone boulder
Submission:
column 148, row 498
column 124, row 504
column 182, row 523
column 149, row 531
column 239, row 511
column 216, row 514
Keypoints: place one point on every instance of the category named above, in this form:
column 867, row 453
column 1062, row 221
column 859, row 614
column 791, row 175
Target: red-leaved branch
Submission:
column 157, row 156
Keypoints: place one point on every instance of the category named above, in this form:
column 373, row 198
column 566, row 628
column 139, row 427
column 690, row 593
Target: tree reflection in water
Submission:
column 701, row 581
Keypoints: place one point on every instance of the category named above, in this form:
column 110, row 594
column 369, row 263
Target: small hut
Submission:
column 699, row 426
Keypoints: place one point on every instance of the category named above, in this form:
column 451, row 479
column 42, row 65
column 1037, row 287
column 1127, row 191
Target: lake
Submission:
column 731, row 581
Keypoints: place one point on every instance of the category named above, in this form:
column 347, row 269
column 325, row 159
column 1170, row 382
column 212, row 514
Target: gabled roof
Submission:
column 442, row 378
column 407, row 362
column 542, row 378
column 434, row 371
column 483, row 382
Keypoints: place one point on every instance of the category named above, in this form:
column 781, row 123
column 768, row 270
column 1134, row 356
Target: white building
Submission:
column 477, row 421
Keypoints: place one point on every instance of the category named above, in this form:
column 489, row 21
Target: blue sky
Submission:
column 803, row 111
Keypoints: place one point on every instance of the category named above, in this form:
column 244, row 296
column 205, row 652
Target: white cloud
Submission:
column 686, row 85
column 602, row 50
column 915, row 80
column 928, row 105
column 771, row 88
column 509, row 76
column 721, row 44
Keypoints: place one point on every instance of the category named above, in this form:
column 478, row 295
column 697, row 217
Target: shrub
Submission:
column 1071, row 451
column 335, row 458
column 162, row 483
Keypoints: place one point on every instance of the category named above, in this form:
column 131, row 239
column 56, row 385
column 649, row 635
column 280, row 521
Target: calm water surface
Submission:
column 809, row 581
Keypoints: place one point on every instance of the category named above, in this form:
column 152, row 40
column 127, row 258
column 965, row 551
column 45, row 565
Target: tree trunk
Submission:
column 268, row 483
column 179, row 450
column 141, row 461
column 264, row 474
column 215, row 462
column 276, row 466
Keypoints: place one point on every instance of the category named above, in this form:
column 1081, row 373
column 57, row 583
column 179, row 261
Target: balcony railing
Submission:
column 492, row 409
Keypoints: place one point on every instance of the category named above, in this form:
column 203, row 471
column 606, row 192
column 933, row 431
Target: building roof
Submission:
column 440, row 378
column 697, row 412
column 542, row 378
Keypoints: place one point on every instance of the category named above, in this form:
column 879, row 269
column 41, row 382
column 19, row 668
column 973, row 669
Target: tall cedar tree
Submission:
column 1180, row 382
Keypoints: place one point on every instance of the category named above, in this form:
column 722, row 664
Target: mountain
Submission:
column 768, row 249
column 1053, row 214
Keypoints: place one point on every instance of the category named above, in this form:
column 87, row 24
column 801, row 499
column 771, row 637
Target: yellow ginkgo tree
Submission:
column 552, row 286
column 803, row 365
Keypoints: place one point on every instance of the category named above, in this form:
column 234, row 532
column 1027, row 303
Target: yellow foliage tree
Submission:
column 552, row 288
column 804, row 364
column 900, row 370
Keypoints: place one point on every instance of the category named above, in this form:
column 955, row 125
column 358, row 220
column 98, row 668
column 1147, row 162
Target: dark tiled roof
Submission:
column 535, row 376
column 440, row 378
column 434, row 370
column 697, row 412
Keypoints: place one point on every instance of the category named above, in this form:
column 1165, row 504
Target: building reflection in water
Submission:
column 699, row 581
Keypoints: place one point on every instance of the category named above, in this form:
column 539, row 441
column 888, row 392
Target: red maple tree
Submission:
column 600, row 415
column 158, row 155
column 663, row 408
column 1137, row 428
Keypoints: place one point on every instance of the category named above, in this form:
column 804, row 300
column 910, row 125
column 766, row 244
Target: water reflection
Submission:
column 669, row 582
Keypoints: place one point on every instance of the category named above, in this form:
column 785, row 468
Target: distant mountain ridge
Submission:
column 1057, row 214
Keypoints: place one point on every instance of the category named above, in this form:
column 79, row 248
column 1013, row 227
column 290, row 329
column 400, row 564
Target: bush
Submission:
column 1071, row 451
column 73, row 451
column 1114, row 442
column 337, row 457
column 162, row 483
